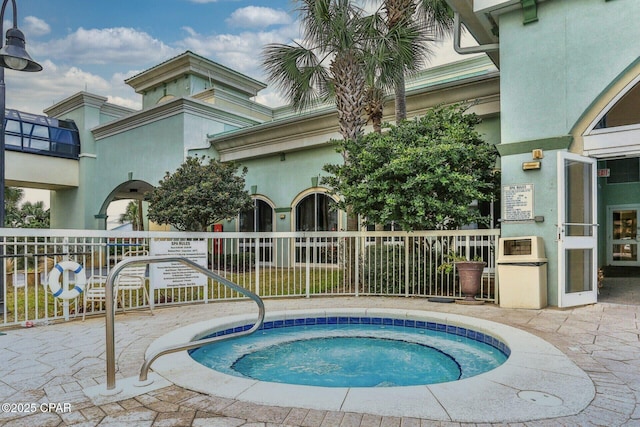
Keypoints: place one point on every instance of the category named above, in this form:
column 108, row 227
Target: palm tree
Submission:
column 133, row 214
column 393, row 51
column 330, row 62
column 434, row 17
column 12, row 198
column 34, row 215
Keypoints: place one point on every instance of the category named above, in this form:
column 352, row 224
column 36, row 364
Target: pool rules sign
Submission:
column 175, row 274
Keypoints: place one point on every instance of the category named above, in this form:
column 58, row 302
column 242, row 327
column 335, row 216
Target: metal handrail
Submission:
column 110, row 317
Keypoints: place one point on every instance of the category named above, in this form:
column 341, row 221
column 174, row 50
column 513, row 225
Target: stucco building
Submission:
column 556, row 89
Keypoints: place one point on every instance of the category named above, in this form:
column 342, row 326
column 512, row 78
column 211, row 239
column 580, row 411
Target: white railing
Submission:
column 268, row 264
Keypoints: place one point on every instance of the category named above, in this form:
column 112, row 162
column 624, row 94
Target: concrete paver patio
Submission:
column 55, row 363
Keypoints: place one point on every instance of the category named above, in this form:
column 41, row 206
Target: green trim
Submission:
column 529, row 11
column 283, row 210
column 100, row 216
column 558, row 143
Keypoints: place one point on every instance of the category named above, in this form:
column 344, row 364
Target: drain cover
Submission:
column 540, row 398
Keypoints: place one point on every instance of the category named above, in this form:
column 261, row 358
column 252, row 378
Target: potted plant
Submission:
column 469, row 276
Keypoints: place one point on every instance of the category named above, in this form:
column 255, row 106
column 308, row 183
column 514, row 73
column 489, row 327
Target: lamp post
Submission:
column 12, row 55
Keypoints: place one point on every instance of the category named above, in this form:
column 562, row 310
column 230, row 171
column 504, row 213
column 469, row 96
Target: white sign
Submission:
column 175, row 274
column 517, row 202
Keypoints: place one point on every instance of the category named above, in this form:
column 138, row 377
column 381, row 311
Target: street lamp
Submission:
column 12, row 55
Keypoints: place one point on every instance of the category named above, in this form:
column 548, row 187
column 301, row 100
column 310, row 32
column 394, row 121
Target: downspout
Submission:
column 457, row 29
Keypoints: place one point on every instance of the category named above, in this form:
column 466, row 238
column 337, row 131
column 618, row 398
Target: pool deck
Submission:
column 57, row 363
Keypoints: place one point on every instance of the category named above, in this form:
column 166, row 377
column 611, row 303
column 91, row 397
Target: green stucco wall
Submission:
column 551, row 71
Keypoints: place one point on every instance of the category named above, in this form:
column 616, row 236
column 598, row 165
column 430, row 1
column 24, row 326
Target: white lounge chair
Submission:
column 128, row 282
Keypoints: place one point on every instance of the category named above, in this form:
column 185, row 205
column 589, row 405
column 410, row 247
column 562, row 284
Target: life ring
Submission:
column 54, row 283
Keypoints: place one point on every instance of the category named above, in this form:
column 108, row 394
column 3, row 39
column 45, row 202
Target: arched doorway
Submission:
column 130, row 193
column 612, row 136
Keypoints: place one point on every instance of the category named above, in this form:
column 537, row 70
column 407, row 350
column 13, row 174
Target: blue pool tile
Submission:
column 332, row 320
column 376, row 321
column 278, row 323
column 321, row 321
column 289, row 322
column 461, row 331
column 410, row 323
column 422, row 325
column 310, row 321
column 432, row 326
column 267, row 325
column 387, row 321
column 440, row 327
column 300, row 322
column 398, row 322
column 343, row 320
column 365, row 320
column 354, row 320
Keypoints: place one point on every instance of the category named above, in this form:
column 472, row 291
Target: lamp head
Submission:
column 13, row 54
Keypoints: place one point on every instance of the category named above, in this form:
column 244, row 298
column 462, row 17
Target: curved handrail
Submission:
column 144, row 369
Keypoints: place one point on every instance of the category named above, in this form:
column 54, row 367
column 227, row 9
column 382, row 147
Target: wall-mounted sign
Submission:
column 604, row 173
column 175, row 274
column 517, row 202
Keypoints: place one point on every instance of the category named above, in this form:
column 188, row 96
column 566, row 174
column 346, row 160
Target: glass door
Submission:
column 623, row 235
column 577, row 230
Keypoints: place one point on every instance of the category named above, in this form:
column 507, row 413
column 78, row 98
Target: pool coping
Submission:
column 536, row 382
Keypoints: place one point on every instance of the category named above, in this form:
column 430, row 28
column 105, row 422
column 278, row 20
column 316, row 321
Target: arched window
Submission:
column 258, row 219
column 316, row 212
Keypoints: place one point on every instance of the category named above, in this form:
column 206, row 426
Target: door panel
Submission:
column 622, row 235
column 577, row 230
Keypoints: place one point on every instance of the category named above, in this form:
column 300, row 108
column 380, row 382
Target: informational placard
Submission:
column 517, row 202
column 175, row 274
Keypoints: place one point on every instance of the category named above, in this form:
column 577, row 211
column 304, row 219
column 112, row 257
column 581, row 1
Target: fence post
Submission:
column 308, row 269
column 356, row 282
column 407, row 239
column 257, row 261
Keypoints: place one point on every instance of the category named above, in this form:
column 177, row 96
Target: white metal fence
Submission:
column 269, row 264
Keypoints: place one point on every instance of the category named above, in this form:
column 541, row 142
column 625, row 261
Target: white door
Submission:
column 623, row 235
column 577, row 230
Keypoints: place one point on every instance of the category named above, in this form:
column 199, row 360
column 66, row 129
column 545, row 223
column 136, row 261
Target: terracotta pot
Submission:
column 470, row 275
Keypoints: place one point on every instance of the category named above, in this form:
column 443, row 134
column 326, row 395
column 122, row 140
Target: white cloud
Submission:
column 106, row 46
column 258, row 17
column 241, row 52
column 35, row 26
column 57, row 82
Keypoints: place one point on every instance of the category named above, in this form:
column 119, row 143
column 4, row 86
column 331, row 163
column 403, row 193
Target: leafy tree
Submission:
column 422, row 174
column 198, row 195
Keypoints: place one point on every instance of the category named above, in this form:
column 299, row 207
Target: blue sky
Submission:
column 94, row 45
